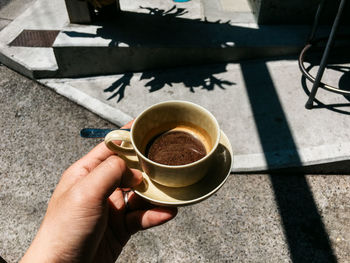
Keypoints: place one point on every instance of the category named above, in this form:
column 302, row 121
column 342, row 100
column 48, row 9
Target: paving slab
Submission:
column 259, row 105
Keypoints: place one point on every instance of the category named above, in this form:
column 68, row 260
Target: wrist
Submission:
column 42, row 250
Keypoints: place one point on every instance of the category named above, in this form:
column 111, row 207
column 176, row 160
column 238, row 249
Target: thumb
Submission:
column 108, row 175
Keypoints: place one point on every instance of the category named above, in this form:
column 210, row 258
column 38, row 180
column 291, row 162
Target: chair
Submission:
column 311, row 41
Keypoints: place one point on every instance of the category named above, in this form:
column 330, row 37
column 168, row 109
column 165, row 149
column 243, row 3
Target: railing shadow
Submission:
column 304, row 230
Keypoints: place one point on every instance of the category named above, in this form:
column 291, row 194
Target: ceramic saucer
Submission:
column 180, row 196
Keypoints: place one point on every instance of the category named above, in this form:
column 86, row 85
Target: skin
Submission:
column 86, row 219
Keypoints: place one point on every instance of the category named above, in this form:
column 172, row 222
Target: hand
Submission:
column 86, row 219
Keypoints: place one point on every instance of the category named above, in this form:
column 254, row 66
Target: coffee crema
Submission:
column 175, row 147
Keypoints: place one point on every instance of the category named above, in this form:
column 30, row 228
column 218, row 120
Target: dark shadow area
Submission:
column 344, row 81
column 192, row 78
column 305, row 232
column 168, row 28
column 163, row 27
column 333, row 168
column 164, row 39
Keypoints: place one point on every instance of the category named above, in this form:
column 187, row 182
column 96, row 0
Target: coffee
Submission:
column 175, row 148
column 176, row 144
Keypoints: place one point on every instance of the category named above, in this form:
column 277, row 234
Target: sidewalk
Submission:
column 252, row 218
column 289, row 216
column 259, row 104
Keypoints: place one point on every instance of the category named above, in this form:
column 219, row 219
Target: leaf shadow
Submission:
column 192, row 78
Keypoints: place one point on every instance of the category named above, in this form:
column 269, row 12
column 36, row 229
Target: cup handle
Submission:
column 125, row 150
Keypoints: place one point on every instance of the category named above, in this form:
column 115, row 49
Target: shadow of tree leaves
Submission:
column 119, row 86
column 190, row 77
column 160, row 12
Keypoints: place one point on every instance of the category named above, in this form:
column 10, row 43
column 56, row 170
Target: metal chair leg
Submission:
column 324, row 59
column 316, row 21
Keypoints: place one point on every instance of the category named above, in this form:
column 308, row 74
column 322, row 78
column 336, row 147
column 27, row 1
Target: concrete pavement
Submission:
column 259, row 104
column 282, row 217
column 10, row 9
column 252, row 218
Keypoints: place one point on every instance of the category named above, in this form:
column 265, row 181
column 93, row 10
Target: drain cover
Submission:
column 35, row 38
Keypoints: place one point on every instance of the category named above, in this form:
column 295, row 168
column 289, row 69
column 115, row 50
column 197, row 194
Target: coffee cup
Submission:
column 173, row 142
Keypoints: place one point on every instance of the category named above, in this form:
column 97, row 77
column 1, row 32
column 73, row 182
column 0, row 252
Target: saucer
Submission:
column 181, row 196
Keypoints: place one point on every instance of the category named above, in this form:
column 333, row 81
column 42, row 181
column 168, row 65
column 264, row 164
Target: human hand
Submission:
column 86, row 218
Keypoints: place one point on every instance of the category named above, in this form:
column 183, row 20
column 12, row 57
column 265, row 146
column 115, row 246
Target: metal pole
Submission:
column 316, row 21
column 324, row 59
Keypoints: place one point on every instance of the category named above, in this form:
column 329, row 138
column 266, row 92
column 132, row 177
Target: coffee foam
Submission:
column 196, row 131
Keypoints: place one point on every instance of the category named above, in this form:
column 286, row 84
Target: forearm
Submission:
column 39, row 252
column 43, row 249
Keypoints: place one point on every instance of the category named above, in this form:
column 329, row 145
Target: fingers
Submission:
column 109, row 175
column 140, row 215
column 143, row 219
column 98, row 154
column 135, row 220
column 93, row 158
column 135, row 202
column 86, row 164
column 117, row 216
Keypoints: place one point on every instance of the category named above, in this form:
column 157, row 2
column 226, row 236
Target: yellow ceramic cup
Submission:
column 159, row 118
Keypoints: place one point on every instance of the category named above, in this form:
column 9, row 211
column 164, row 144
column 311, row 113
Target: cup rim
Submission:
column 184, row 165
